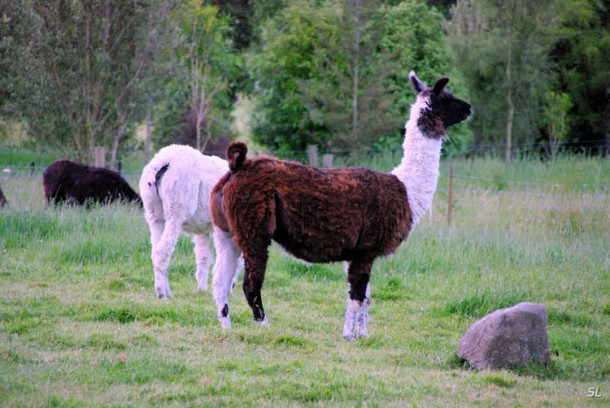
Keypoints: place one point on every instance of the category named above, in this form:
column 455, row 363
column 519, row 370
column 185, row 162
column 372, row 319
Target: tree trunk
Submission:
column 197, row 131
column 509, row 100
column 148, row 139
column 355, row 125
column 606, row 146
column 115, row 145
column 509, row 127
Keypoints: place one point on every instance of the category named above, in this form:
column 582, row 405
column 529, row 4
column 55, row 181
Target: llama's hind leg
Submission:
column 161, row 255
column 203, row 259
column 357, row 304
column 226, row 269
column 157, row 226
column 255, row 262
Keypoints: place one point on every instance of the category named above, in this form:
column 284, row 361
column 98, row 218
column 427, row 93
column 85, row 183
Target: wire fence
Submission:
column 484, row 200
column 20, row 163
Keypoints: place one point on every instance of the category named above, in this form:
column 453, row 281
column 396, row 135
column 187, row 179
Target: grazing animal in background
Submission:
column 3, row 201
column 76, row 183
column 175, row 188
column 343, row 214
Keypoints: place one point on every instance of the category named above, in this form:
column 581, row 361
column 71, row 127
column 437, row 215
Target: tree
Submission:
column 417, row 41
column 206, row 61
column 336, row 74
column 281, row 119
column 78, row 68
column 349, row 92
column 555, row 118
column 582, row 61
column 502, row 48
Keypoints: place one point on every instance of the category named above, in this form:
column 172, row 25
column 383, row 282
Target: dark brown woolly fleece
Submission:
column 319, row 215
column 76, row 183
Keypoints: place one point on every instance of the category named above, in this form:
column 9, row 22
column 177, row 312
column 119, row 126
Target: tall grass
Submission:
column 80, row 324
column 20, row 161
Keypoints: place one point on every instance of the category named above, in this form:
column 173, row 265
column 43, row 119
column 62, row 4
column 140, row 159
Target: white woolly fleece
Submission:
column 185, row 188
column 419, row 167
column 180, row 202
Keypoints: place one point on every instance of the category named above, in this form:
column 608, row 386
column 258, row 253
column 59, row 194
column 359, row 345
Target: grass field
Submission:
column 80, row 324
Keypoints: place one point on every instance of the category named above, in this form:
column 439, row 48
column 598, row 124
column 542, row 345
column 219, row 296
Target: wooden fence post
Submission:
column 450, row 203
column 327, row 160
column 100, row 157
column 312, row 152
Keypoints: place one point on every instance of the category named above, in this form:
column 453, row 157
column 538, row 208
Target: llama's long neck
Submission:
column 419, row 168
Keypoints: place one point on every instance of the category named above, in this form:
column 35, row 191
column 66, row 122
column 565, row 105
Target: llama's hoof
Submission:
column 164, row 295
column 202, row 287
column 362, row 332
column 349, row 337
column 263, row 322
column 225, row 322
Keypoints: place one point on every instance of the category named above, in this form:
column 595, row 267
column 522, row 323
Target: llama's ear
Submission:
column 440, row 85
column 236, row 154
column 416, row 84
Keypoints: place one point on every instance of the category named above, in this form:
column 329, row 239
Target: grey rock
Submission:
column 514, row 336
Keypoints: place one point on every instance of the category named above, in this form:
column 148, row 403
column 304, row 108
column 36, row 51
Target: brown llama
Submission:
column 326, row 215
column 76, row 183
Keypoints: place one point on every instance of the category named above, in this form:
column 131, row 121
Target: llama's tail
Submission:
column 236, row 155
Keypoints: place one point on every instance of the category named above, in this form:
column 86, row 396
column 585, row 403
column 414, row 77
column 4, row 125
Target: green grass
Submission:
column 80, row 324
column 19, row 160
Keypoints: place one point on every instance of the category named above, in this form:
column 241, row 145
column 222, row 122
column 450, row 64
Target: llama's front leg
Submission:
column 161, row 255
column 255, row 264
column 226, row 269
column 363, row 314
column 203, row 259
column 351, row 314
column 358, row 278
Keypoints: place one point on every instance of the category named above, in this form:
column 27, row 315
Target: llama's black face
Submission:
column 442, row 110
column 448, row 108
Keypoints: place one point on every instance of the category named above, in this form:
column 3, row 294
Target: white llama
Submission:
column 175, row 188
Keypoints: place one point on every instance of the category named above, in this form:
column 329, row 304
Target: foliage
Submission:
column 349, row 94
column 80, row 73
column 582, row 62
column 416, row 39
column 335, row 74
column 287, row 52
column 205, row 58
column 554, row 118
column 207, row 70
column 502, row 49
column 75, row 72
column 239, row 12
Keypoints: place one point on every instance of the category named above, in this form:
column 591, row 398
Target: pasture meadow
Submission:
column 80, row 324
